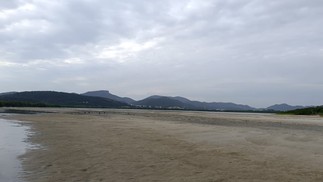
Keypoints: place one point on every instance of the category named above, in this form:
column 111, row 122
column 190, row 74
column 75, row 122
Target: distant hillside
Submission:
column 184, row 103
column 108, row 95
column 214, row 105
column 60, row 99
column 283, row 107
column 228, row 106
column 307, row 111
column 162, row 102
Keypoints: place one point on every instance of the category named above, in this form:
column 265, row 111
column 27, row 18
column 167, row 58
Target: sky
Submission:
column 254, row 52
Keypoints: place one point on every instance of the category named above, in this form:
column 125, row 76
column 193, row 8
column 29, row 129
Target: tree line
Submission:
column 23, row 104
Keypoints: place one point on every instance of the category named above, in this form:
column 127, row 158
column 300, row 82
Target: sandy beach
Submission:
column 145, row 145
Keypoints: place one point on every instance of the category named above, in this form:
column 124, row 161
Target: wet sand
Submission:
column 143, row 145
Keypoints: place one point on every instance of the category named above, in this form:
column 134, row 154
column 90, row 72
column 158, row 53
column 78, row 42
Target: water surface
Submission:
column 12, row 145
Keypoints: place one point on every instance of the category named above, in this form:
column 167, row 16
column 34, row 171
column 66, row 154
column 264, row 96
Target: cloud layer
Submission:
column 255, row 52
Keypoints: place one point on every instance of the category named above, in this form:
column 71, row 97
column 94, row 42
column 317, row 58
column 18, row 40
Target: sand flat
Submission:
column 145, row 145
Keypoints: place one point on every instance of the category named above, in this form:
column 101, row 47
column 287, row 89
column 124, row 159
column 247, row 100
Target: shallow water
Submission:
column 12, row 145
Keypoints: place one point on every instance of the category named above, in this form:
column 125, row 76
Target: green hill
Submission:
column 307, row 111
column 51, row 98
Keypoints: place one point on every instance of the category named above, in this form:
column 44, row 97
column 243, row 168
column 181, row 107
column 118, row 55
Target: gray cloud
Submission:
column 255, row 52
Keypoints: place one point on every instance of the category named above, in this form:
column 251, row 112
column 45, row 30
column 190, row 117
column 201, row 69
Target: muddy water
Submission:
column 12, row 145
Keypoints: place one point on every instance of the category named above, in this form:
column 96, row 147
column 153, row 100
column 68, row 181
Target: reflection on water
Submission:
column 12, row 137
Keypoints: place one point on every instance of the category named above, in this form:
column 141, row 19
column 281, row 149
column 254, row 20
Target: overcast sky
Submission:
column 255, row 52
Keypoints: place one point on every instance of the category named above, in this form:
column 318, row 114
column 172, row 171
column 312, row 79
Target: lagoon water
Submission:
column 12, row 145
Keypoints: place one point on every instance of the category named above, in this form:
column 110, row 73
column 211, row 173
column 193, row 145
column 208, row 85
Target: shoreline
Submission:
column 145, row 145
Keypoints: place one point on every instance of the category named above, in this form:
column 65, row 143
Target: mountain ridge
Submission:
column 189, row 104
column 63, row 99
column 108, row 95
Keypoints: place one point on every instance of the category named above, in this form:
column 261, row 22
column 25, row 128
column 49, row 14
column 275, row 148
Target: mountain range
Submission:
column 157, row 101
column 104, row 99
column 184, row 103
